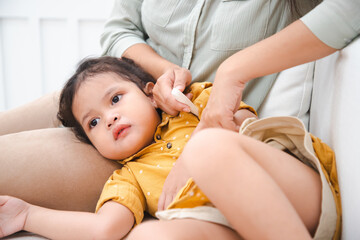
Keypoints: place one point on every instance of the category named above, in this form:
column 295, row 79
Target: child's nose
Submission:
column 112, row 120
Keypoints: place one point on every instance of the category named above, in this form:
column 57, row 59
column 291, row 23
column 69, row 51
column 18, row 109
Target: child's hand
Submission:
column 176, row 179
column 241, row 115
column 13, row 214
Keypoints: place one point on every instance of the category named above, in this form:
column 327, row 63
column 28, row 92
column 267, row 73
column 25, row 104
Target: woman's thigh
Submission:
column 40, row 113
column 182, row 229
column 51, row 168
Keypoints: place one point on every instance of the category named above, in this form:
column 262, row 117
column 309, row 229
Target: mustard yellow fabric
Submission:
column 190, row 196
column 328, row 165
column 138, row 184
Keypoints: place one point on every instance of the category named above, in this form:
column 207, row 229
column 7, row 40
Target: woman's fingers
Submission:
column 179, row 78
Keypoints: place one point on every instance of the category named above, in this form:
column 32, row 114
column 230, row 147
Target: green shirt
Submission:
column 335, row 22
column 198, row 34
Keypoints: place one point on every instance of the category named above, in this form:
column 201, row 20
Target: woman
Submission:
column 177, row 42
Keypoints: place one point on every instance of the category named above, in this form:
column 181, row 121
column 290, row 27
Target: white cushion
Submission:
column 335, row 118
column 290, row 94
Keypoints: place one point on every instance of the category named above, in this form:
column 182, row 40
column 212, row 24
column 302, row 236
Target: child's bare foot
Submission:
column 13, row 213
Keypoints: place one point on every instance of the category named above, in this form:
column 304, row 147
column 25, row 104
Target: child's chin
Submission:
column 110, row 155
column 118, row 156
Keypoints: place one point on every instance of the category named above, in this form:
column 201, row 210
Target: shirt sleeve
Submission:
column 122, row 188
column 201, row 93
column 123, row 29
column 335, row 22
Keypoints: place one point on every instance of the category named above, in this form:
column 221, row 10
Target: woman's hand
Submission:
column 223, row 102
column 13, row 214
column 174, row 77
column 176, row 179
column 216, row 116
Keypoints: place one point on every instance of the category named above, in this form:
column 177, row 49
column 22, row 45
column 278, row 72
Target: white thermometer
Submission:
column 179, row 96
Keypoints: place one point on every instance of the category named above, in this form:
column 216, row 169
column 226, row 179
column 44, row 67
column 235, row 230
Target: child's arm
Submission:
column 113, row 221
column 243, row 114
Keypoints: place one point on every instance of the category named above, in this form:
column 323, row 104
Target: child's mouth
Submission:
column 121, row 131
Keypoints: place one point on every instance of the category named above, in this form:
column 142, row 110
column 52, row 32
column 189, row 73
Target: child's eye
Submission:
column 116, row 98
column 94, row 122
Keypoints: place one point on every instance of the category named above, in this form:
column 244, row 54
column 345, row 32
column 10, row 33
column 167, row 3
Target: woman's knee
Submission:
column 38, row 114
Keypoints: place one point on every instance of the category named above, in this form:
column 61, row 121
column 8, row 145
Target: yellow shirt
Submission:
column 138, row 184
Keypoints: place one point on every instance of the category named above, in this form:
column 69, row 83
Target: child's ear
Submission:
column 149, row 93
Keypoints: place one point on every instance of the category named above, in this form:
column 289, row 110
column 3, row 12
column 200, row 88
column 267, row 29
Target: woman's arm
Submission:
column 168, row 75
column 292, row 46
column 328, row 27
column 124, row 35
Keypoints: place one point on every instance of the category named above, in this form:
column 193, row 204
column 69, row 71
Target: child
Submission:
column 108, row 103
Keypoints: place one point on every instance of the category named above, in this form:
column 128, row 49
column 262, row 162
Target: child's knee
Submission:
column 208, row 146
column 195, row 147
column 207, row 139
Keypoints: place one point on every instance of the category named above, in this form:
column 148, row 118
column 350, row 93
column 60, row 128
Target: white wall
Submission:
column 41, row 42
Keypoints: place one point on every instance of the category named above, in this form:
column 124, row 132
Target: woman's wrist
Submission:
column 234, row 70
column 230, row 80
column 169, row 66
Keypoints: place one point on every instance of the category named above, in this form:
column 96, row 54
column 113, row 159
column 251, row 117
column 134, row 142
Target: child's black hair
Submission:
column 123, row 67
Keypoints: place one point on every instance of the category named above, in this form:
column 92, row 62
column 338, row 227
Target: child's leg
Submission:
column 263, row 192
column 182, row 229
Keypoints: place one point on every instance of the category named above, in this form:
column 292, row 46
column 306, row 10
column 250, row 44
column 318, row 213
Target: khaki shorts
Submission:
column 287, row 134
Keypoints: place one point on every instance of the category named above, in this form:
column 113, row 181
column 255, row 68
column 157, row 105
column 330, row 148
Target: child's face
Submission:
column 118, row 118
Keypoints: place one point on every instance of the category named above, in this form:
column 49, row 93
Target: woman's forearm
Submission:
column 292, row 46
column 148, row 59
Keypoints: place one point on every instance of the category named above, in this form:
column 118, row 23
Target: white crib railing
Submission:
column 41, row 41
